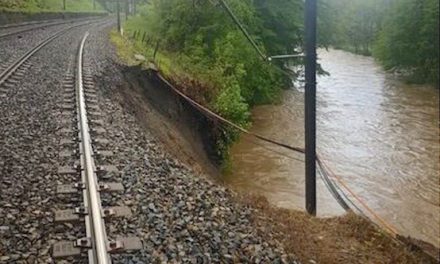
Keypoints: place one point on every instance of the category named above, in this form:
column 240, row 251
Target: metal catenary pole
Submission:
column 310, row 104
column 118, row 12
column 126, row 9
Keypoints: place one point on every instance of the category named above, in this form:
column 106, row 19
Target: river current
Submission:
column 380, row 135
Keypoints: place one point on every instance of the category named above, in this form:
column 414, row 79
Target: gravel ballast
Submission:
column 14, row 46
column 29, row 155
column 180, row 217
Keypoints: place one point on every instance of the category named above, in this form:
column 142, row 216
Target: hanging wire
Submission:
column 324, row 170
column 246, row 34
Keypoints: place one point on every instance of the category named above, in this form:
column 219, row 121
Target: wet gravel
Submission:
column 29, row 156
column 12, row 47
column 179, row 216
column 5, row 30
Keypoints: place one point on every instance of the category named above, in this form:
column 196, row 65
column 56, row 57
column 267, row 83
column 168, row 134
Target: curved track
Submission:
column 80, row 106
column 94, row 222
column 17, row 63
column 7, row 26
column 37, row 26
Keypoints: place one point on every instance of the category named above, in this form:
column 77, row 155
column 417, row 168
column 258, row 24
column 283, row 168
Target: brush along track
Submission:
column 96, row 241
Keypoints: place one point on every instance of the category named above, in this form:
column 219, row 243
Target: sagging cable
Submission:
column 234, row 17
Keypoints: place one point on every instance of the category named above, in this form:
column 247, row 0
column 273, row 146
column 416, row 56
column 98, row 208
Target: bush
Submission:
column 409, row 40
column 199, row 43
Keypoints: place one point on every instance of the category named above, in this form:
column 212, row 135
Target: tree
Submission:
column 351, row 24
column 201, row 38
column 409, row 40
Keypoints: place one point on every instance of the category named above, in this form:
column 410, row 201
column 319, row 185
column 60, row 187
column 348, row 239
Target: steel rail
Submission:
column 14, row 66
column 30, row 23
column 95, row 218
column 38, row 26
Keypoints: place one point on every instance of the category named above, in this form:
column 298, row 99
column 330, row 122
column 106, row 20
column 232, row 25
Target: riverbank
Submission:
column 387, row 154
column 348, row 238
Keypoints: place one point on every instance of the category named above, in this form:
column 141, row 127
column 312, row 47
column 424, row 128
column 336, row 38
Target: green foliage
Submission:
column 49, row 5
column 409, row 40
column 350, row 24
column 402, row 34
column 282, row 22
column 199, row 41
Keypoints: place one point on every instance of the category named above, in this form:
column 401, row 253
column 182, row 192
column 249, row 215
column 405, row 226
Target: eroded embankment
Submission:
column 188, row 135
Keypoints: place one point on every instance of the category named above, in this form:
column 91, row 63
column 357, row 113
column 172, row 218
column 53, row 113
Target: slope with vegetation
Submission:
column 201, row 49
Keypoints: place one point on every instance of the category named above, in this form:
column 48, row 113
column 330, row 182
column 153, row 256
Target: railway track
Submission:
column 80, row 107
column 15, row 25
column 19, row 66
column 33, row 26
column 82, row 143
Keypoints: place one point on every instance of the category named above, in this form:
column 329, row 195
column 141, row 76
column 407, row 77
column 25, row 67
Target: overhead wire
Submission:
column 327, row 174
column 319, row 160
column 274, row 151
column 243, row 30
column 252, row 41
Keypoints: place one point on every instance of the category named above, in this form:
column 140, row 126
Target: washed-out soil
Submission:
column 189, row 136
column 344, row 239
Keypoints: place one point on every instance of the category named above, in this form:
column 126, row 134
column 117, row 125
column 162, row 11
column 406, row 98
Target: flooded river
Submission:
column 379, row 135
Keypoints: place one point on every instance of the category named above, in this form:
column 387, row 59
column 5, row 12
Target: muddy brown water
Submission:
column 379, row 135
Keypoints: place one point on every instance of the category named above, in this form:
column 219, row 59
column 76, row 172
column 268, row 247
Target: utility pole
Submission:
column 64, row 5
column 126, row 9
column 94, row 4
column 310, row 104
column 134, row 7
column 118, row 12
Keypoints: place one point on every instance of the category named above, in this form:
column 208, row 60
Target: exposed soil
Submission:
column 346, row 239
column 179, row 216
column 172, row 121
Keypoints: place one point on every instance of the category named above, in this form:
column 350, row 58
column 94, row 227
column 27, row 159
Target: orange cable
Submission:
column 391, row 228
column 387, row 225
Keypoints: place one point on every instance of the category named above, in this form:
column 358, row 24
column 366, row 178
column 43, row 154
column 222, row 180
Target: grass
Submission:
column 33, row 6
column 127, row 49
column 167, row 63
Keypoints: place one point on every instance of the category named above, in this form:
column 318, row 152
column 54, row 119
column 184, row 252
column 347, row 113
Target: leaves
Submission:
column 401, row 34
column 409, row 39
column 211, row 49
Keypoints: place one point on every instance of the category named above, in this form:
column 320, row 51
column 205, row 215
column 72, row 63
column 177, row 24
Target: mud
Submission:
column 186, row 132
column 188, row 135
